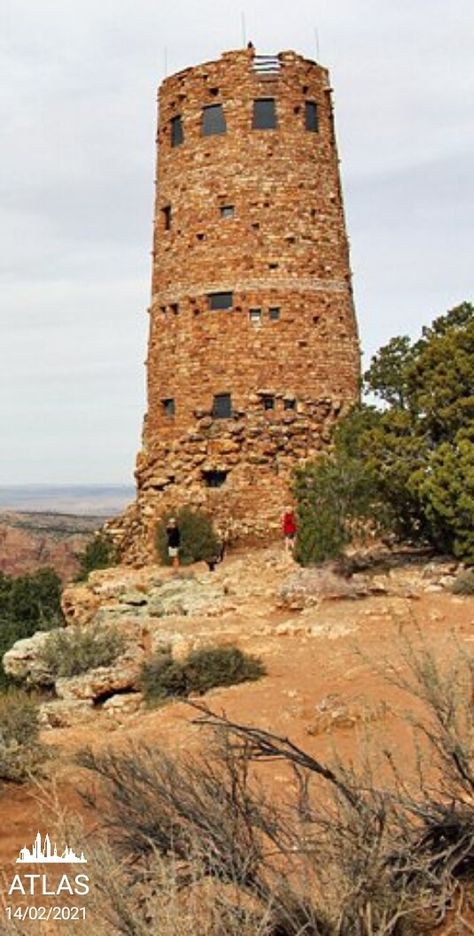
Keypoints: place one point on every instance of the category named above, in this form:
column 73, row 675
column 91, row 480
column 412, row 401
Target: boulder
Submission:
column 308, row 587
column 79, row 604
column 65, row 714
column 105, row 680
column 124, row 703
column 23, row 660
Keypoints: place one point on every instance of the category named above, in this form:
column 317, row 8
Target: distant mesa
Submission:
column 48, row 854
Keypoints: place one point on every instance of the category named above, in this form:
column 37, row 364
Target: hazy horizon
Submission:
column 80, row 499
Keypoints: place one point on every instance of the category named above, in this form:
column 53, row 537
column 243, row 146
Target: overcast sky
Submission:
column 77, row 97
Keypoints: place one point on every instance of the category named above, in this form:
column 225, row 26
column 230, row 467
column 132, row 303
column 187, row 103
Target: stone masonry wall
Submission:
column 257, row 213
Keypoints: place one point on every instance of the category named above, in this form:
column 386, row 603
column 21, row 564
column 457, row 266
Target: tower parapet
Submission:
column 253, row 350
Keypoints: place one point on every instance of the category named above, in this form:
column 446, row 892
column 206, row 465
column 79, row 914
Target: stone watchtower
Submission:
column 253, row 350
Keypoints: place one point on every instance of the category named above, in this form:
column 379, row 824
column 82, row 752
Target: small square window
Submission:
column 222, row 406
column 213, row 120
column 224, row 300
column 166, row 212
column 311, row 116
column 227, row 211
column 268, row 401
column 289, row 404
column 177, row 135
column 274, row 314
column 264, row 114
column 214, row 478
column 169, row 407
column 174, row 308
column 255, row 316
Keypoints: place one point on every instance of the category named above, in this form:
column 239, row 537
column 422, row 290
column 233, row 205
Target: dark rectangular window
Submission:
column 268, row 401
column 289, row 404
column 213, row 120
column 174, row 308
column 215, row 478
column 274, row 314
column 264, row 114
column 166, row 212
column 224, row 300
column 227, row 211
column 177, row 135
column 311, row 116
column 255, row 316
column 169, row 407
column 222, row 406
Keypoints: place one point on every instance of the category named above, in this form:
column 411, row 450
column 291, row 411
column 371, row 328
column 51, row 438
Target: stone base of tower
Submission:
column 239, row 470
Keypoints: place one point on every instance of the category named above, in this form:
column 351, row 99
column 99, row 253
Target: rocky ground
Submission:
column 322, row 637
column 31, row 540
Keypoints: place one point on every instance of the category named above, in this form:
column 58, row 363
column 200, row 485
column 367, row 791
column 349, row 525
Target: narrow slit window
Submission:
column 274, row 313
column 213, row 120
column 227, row 211
column 177, row 135
column 221, row 300
column 166, row 213
column 268, row 401
column 264, row 114
column 311, row 116
column 255, row 316
column 169, row 406
column 222, row 406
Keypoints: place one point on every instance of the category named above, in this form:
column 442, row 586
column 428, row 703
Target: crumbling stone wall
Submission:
column 258, row 214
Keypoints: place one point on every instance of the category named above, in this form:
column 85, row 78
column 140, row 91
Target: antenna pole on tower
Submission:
column 244, row 29
column 316, row 42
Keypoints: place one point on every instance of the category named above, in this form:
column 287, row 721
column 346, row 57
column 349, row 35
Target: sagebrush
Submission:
column 162, row 677
column 75, row 650
column 21, row 753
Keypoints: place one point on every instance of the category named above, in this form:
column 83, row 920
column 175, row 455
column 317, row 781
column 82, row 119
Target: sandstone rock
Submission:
column 22, row 660
column 122, row 675
column 308, row 586
column 65, row 714
column 123, row 703
column 134, row 598
column 334, row 712
column 79, row 604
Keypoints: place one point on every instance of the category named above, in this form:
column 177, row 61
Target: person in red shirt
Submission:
column 289, row 528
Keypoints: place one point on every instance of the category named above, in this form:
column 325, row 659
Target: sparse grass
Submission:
column 162, row 677
column 75, row 650
column 20, row 751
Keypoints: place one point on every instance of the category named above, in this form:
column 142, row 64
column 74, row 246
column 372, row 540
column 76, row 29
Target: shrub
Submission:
column 464, row 583
column 163, row 677
column 100, row 553
column 335, row 496
column 199, row 541
column 20, row 751
column 75, row 650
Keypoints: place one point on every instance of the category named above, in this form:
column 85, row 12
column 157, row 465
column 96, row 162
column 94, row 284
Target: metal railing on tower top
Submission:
column 266, row 64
